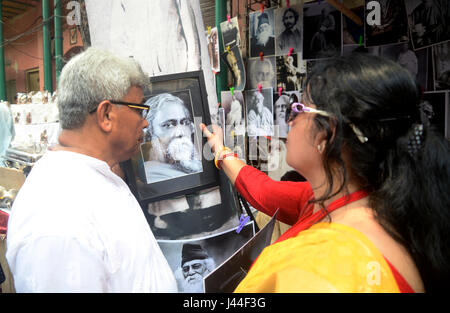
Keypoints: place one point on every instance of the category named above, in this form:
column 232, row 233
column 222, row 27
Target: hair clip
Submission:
column 358, row 133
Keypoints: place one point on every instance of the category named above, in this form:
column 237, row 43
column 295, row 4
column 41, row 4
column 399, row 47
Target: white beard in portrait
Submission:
column 180, row 152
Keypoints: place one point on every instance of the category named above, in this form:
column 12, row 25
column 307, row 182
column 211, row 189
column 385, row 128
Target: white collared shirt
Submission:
column 76, row 227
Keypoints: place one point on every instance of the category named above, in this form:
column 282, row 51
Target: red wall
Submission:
column 26, row 53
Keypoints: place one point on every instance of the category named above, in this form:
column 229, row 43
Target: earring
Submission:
column 320, row 148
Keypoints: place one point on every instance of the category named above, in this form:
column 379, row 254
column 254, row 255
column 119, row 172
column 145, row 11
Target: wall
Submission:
column 26, row 52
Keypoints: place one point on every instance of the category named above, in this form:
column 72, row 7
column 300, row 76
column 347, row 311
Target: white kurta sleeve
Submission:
column 58, row 264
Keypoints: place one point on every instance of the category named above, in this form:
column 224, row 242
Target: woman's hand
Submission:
column 215, row 139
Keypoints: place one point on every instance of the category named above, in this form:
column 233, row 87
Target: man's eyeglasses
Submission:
column 141, row 108
column 297, row 108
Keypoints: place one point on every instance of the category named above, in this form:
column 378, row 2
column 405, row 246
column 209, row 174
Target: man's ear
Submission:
column 104, row 115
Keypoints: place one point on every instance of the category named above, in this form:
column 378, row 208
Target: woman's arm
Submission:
column 262, row 192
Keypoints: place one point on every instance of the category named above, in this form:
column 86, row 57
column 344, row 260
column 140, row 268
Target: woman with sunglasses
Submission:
column 373, row 215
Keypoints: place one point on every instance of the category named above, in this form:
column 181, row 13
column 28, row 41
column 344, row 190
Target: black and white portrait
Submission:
column 288, row 30
column 393, row 27
column 230, row 33
column 322, row 31
column 259, row 112
column 170, row 149
column 235, row 63
column 276, row 159
column 233, row 105
column 261, row 30
column 441, row 62
column 213, row 49
column 435, row 106
column 429, row 21
column 291, row 72
column 192, row 261
column 262, row 72
column 281, row 104
column 416, row 62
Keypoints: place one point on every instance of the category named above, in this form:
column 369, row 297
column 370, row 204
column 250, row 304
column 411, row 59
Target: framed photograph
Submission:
column 428, row 22
column 322, row 31
column 171, row 161
column 392, row 27
column 259, row 112
column 261, row 33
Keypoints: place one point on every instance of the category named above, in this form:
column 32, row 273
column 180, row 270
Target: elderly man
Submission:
column 170, row 131
column 75, row 226
column 195, row 264
column 263, row 73
column 264, row 41
column 260, row 118
column 291, row 37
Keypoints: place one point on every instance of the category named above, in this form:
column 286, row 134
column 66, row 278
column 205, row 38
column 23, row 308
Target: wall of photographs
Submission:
column 279, row 45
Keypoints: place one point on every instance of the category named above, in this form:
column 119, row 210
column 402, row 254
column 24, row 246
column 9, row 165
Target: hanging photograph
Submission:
column 441, row 64
column 277, row 167
column 233, row 105
column 213, row 49
column 291, row 72
column 429, row 22
column 322, row 31
column 262, row 72
column 230, row 33
column 416, row 62
column 261, row 33
column 233, row 59
column 191, row 261
column 435, row 106
column 170, row 161
column 392, row 26
column 281, row 103
column 259, row 112
column 288, row 30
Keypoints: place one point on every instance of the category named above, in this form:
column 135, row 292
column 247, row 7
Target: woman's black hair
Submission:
column 409, row 192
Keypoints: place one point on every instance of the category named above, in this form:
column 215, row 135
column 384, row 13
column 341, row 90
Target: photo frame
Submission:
column 190, row 87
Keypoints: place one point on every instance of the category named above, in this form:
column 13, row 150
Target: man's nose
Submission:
column 145, row 124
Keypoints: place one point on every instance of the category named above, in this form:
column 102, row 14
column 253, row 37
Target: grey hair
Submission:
column 91, row 77
column 156, row 103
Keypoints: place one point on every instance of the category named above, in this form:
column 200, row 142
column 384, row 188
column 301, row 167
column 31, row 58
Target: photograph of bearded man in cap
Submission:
column 262, row 37
column 195, row 264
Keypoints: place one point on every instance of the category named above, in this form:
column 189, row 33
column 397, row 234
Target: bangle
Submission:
column 216, row 158
column 219, row 162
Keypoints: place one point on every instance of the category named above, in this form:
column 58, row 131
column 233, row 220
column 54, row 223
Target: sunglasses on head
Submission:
column 296, row 108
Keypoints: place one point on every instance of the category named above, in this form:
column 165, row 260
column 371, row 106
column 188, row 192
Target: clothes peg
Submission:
column 228, row 49
column 288, row 4
column 232, row 91
column 228, row 18
column 259, row 87
column 280, row 89
column 261, row 55
column 262, row 7
column 360, row 40
column 290, row 51
column 209, row 30
column 218, row 104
